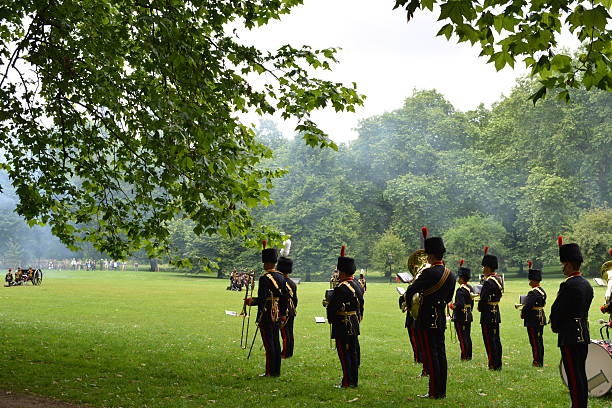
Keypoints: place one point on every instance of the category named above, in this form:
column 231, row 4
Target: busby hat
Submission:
column 534, row 274
column 489, row 260
column 464, row 273
column 284, row 265
column 268, row 255
column 433, row 245
column 345, row 264
column 568, row 252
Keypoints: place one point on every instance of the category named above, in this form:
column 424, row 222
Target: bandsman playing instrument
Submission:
column 569, row 316
column 344, row 313
column 435, row 284
column 271, row 304
column 417, row 263
column 285, row 266
column 462, row 312
column 488, row 306
column 533, row 315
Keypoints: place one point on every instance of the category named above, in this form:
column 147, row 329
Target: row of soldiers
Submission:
column 569, row 316
column 435, row 285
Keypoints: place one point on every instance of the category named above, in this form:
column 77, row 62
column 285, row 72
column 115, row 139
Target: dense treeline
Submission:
column 512, row 177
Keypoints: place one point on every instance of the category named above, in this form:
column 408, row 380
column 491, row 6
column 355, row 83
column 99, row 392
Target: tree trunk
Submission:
column 154, row 266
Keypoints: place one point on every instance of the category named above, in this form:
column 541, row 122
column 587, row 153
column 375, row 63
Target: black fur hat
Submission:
column 569, row 252
column 489, row 260
column 268, row 255
column 465, row 273
column 434, row 245
column 284, row 265
column 534, row 275
column 345, row 264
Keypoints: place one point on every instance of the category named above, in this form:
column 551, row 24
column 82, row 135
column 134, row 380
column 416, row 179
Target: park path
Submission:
column 9, row 399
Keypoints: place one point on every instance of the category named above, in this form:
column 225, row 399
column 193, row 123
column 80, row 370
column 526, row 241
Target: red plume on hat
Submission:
column 264, row 244
column 529, row 263
column 610, row 252
column 486, row 249
column 461, row 262
column 424, row 231
column 343, row 250
column 560, row 240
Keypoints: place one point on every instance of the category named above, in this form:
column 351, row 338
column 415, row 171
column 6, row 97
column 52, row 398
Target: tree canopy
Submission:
column 116, row 117
column 510, row 30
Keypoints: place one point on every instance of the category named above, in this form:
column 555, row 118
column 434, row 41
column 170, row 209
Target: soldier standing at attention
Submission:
column 344, row 313
column 488, row 306
column 285, row 266
column 569, row 319
column 534, row 317
column 271, row 304
column 435, row 284
column 462, row 312
column 362, row 282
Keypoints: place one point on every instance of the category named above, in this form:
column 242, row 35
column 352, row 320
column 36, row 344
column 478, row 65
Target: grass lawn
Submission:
column 141, row 339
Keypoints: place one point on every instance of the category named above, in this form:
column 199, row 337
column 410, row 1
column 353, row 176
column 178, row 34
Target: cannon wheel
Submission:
column 37, row 277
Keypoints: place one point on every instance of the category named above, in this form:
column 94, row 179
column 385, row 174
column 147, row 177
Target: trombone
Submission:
column 246, row 314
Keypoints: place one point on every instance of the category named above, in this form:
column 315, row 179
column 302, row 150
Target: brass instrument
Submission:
column 605, row 269
column 476, row 289
column 522, row 300
column 417, row 262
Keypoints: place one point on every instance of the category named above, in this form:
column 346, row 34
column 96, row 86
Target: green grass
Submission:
column 142, row 339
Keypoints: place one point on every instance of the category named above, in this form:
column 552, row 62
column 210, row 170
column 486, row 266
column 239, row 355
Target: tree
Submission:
column 546, row 208
column 125, row 115
column 593, row 232
column 468, row 236
column 390, row 248
column 508, row 30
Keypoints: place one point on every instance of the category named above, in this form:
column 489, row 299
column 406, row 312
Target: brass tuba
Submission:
column 417, row 262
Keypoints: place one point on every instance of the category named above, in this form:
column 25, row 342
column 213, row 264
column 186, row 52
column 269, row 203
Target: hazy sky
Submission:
column 387, row 57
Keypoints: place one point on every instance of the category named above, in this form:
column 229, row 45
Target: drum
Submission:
column 598, row 368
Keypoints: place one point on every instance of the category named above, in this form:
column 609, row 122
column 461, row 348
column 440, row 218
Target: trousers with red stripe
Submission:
column 574, row 358
column 348, row 352
column 271, row 340
column 288, row 338
column 537, row 344
column 463, row 330
column 434, row 361
column 490, row 334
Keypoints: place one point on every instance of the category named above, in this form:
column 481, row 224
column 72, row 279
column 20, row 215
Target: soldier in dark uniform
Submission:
column 362, row 282
column 271, row 304
column 435, row 284
column 462, row 312
column 285, row 266
column 8, row 278
column 488, row 306
column 569, row 319
column 534, row 317
column 344, row 313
